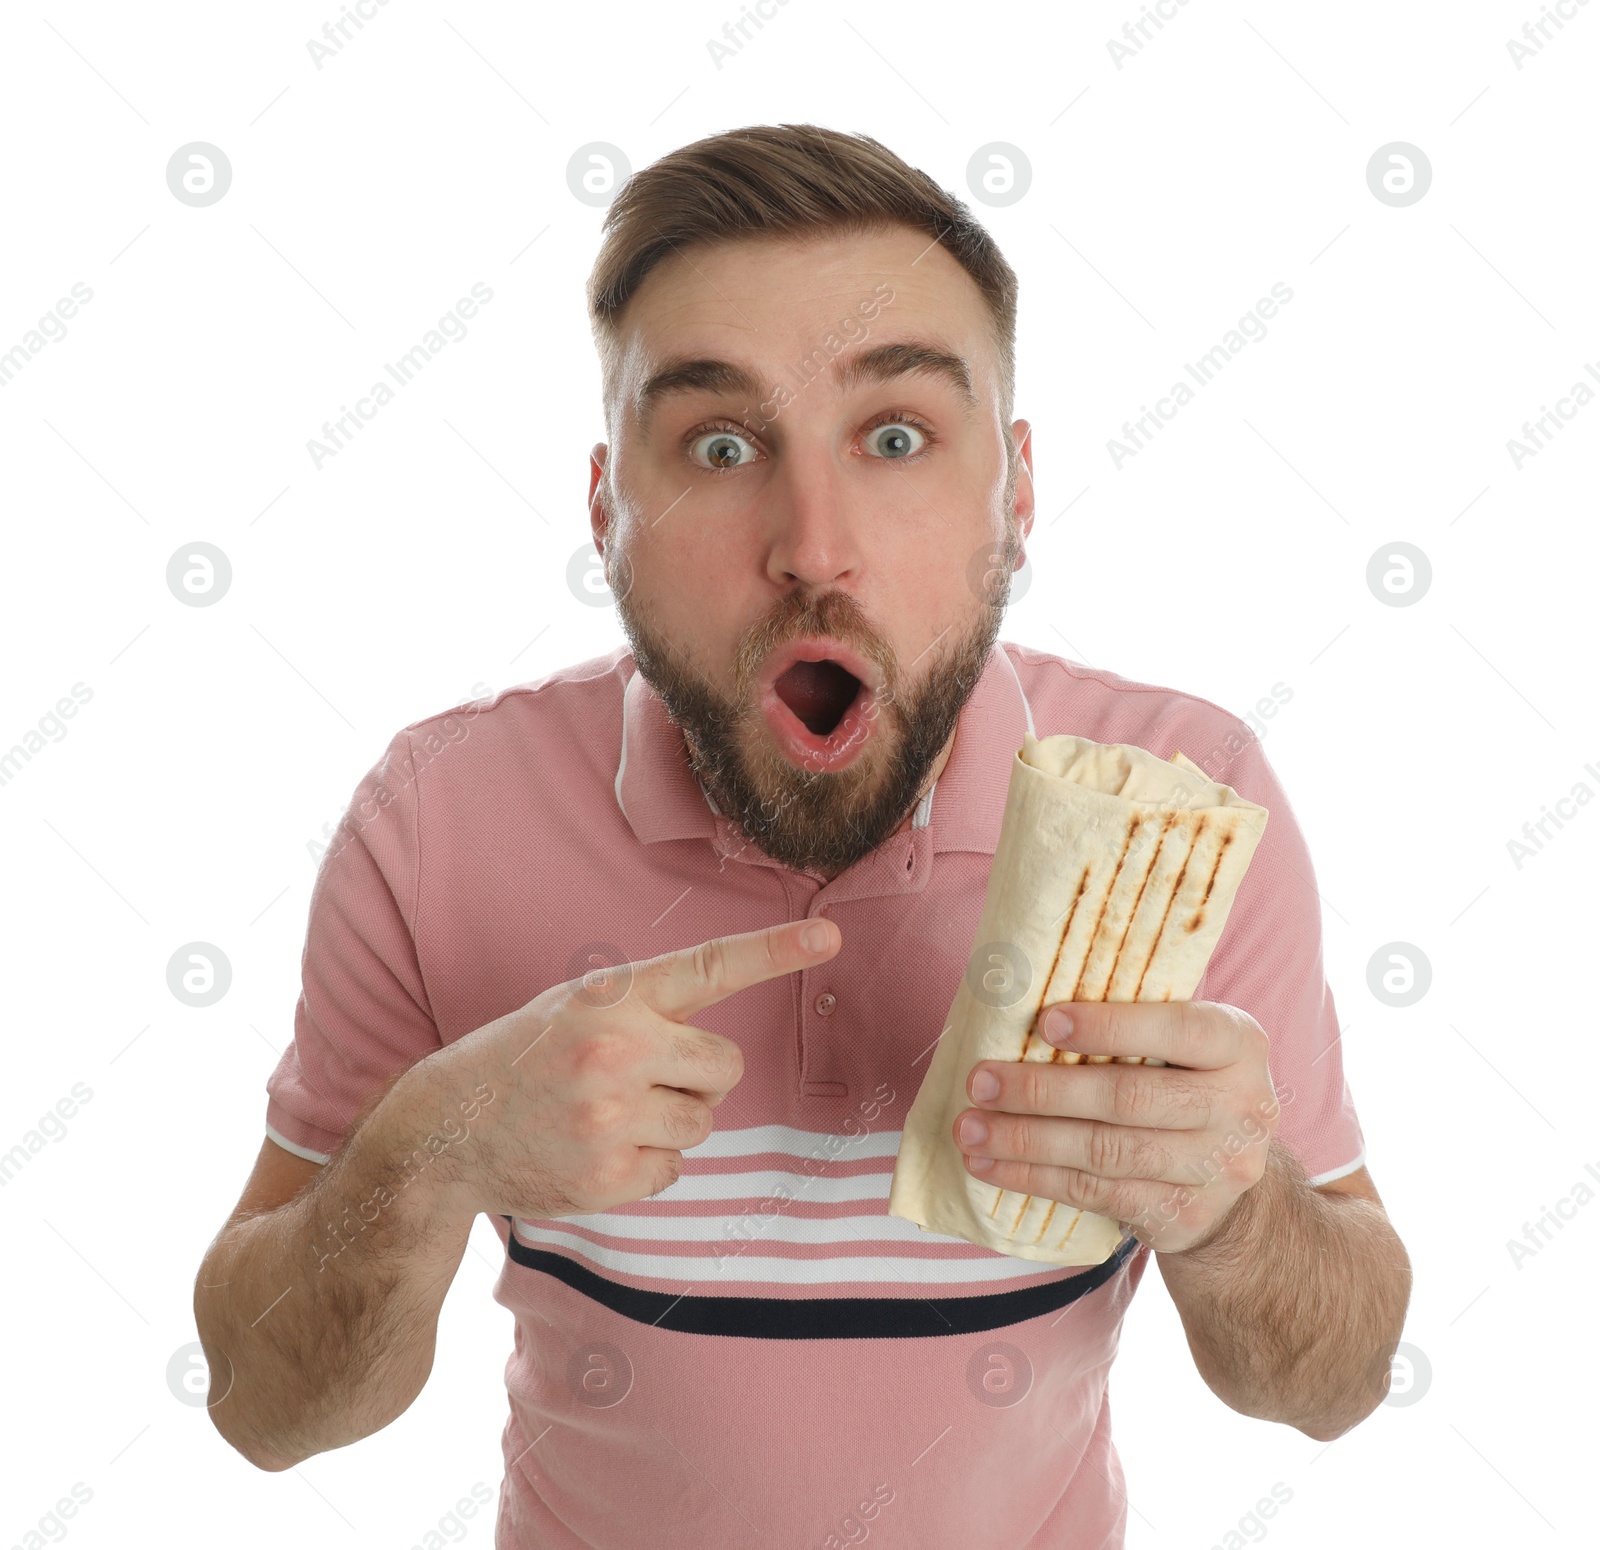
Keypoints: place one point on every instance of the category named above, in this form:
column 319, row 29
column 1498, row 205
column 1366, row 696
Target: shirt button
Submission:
column 825, row 1003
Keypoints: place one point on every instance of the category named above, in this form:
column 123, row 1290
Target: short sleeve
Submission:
column 1268, row 962
column 363, row 1014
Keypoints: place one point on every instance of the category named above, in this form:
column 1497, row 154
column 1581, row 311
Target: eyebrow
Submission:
column 882, row 363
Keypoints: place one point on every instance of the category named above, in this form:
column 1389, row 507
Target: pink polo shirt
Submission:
column 761, row 1354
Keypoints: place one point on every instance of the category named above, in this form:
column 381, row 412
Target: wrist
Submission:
column 1238, row 1229
column 415, row 1160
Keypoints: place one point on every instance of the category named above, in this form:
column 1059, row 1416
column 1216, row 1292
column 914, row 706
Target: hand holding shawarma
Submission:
column 1166, row 1149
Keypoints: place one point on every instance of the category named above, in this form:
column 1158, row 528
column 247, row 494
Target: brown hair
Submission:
column 776, row 180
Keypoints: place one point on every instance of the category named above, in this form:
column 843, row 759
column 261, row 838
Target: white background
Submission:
column 431, row 555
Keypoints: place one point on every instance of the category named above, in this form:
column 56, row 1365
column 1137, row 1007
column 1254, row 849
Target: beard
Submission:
column 821, row 821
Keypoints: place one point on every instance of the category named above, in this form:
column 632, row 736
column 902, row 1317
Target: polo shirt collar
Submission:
column 662, row 798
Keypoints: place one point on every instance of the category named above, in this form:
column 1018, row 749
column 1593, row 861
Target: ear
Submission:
column 1022, row 435
column 599, row 517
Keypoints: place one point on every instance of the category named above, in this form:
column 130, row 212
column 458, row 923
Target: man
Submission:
column 774, row 814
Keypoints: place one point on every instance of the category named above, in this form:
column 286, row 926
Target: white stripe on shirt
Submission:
column 752, row 1265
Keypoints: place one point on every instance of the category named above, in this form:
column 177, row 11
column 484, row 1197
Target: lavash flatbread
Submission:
column 1112, row 880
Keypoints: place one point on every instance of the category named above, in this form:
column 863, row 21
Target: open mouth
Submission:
column 819, row 702
column 819, row 693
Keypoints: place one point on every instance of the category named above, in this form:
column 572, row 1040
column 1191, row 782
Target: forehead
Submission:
column 762, row 304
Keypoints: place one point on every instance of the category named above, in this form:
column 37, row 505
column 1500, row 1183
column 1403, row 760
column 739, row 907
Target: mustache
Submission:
column 834, row 613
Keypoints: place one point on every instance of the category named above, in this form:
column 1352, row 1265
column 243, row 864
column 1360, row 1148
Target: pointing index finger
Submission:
column 682, row 983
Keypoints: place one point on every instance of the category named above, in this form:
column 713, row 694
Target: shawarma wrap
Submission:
column 1112, row 880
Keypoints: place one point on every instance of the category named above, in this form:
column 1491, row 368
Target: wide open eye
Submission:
column 895, row 439
column 721, row 449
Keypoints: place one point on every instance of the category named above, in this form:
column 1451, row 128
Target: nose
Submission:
column 812, row 528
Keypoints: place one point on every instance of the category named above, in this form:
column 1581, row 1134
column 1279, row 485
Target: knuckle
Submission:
column 608, row 1175
column 1194, row 1211
column 1130, row 1097
column 597, row 1054
column 668, row 1174
column 1190, row 1035
column 688, row 1123
column 1015, row 1135
column 707, row 962
column 1109, row 1149
column 593, row 1119
column 1196, row 1099
column 1034, row 1084
column 718, row 1059
column 1089, row 1192
column 1116, row 1020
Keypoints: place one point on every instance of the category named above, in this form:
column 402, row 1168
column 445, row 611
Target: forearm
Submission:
column 1293, row 1309
column 323, row 1313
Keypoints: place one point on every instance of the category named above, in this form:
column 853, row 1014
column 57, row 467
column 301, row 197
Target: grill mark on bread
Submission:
column 1072, row 914
column 1022, row 1211
column 1045, row 1223
column 1199, row 915
column 1134, row 824
column 1177, row 888
column 1105, row 904
column 1138, row 899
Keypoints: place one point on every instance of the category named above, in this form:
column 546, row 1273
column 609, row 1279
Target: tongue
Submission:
column 819, row 693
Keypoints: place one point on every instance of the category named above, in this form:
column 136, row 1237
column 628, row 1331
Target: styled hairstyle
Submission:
column 778, row 180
